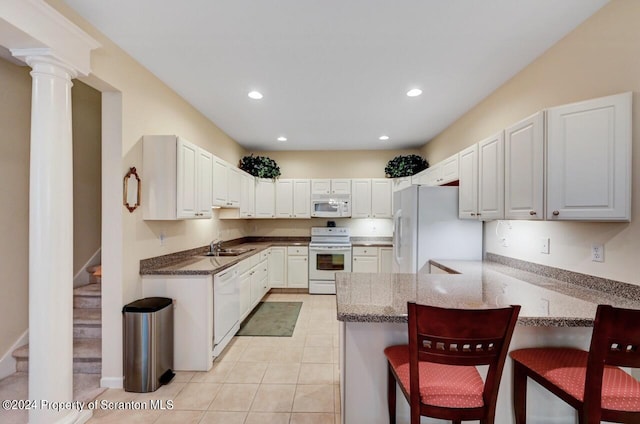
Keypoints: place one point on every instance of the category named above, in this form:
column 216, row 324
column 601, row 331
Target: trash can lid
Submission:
column 148, row 304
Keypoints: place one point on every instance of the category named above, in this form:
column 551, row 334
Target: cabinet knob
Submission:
column 355, row 259
column 473, row 214
column 479, row 214
column 556, row 213
column 532, row 212
column 305, row 259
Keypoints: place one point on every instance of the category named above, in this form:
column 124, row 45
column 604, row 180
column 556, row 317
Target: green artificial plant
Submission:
column 260, row 166
column 405, row 166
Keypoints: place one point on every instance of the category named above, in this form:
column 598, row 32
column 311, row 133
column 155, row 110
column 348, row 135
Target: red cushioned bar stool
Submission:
column 437, row 369
column 590, row 382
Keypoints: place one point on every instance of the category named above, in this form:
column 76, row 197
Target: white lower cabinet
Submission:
column 192, row 317
column 298, row 267
column 278, row 266
column 365, row 259
column 385, row 259
column 253, row 283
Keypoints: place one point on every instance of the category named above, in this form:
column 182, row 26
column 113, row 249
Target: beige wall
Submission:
column 334, row 164
column 86, row 120
column 599, row 58
column 15, row 122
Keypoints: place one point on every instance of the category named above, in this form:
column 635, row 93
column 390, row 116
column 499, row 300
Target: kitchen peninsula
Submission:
column 373, row 314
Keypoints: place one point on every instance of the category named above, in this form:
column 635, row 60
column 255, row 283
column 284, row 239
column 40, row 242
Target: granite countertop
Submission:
column 194, row 261
column 372, row 241
column 545, row 302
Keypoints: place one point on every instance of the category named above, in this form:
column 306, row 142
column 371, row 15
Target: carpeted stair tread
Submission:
column 88, row 316
column 88, row 290
column 83, row 349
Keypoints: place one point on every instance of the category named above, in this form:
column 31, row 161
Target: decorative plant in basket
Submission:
column 405, row 166
column 260, row 166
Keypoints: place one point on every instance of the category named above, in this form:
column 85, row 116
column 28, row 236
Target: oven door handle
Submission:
column 329, row 249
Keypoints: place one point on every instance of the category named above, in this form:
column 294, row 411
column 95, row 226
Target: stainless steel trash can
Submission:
column 148, row 344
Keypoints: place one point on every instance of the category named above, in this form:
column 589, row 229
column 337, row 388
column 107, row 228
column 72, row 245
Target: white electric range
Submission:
column 329, row 252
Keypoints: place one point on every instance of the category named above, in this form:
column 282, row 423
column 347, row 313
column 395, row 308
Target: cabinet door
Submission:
column 401, row 183
column 449, row 170
column 381, row 198
column 245, row 294
column 385, row 258
column 187, row 180
column 298, row 272
column 219, row 182
column 524, row 169
column 340, row 186
column 589, row 160
column 420, row 178
column 234, row 182
column 205, row 180
column 468, row 188
column 265, row 198
column 491, row 177
column 321, row 186
column 365, row 264
column 248, row 193
column 284, row 198
column 277, row 266
column 433, row 175
column 361, row 198
column 302, row 198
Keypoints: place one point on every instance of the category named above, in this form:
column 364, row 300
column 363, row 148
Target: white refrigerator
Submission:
column 426, row 226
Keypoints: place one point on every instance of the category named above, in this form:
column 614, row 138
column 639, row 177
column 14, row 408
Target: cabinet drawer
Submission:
column 297, row 251
column 365, row 251
column 245, row 265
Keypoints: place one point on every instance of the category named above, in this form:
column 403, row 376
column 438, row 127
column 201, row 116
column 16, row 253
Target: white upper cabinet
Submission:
column 361, row 198
column 226, row 184
column 524, row 169
column 441, row 173
column 589, row 160
column 371, row 198
column 265, row 198
column 247, row 195
column 331, row 186
column 177, row 179
column 284, row 198
column 401, row 183
column 491, row 177
column 293, row 198
column 302, row 198
column 381, row 198
column 468, row 186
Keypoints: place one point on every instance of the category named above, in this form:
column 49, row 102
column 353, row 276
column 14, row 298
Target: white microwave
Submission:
column 331, row 205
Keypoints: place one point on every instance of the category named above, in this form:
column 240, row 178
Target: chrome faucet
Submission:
column 215, row 246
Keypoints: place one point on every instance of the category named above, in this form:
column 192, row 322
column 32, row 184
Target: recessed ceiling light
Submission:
column 414, row 92
column 384, row 137
column 282, row 138
column 255, row 95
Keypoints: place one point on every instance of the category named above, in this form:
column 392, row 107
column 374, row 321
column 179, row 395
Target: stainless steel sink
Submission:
column 231, row 251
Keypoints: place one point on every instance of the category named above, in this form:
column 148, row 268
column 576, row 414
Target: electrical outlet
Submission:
column 162, row 238
column 505, row 242
column 597, row 253
column 544, row 245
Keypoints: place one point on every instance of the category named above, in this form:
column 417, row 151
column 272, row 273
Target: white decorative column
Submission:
column 51, row 240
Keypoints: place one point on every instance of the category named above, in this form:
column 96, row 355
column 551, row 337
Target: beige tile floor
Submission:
column 257, row 380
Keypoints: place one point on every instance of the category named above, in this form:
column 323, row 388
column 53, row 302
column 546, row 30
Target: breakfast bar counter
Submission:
column 372, row 309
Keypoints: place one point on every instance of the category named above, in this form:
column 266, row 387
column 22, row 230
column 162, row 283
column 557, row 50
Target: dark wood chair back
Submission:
column 615, row 341
column 465, row 337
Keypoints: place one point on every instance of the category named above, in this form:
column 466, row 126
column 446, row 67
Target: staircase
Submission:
column 87, row 329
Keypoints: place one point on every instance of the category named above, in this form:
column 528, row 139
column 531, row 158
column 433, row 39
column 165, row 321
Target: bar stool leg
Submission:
column 391, row 394
column 519, row 393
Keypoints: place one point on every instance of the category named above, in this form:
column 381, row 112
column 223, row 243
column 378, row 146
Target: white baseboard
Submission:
column 112, row 382
column 82, row 277
column 8, row 362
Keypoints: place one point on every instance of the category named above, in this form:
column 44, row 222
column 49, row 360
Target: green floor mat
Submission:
column 277, row 319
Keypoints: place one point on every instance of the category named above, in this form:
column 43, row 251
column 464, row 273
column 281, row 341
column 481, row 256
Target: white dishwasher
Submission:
column 226, row 308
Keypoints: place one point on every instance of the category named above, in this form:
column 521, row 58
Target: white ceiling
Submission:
column 334, row 73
